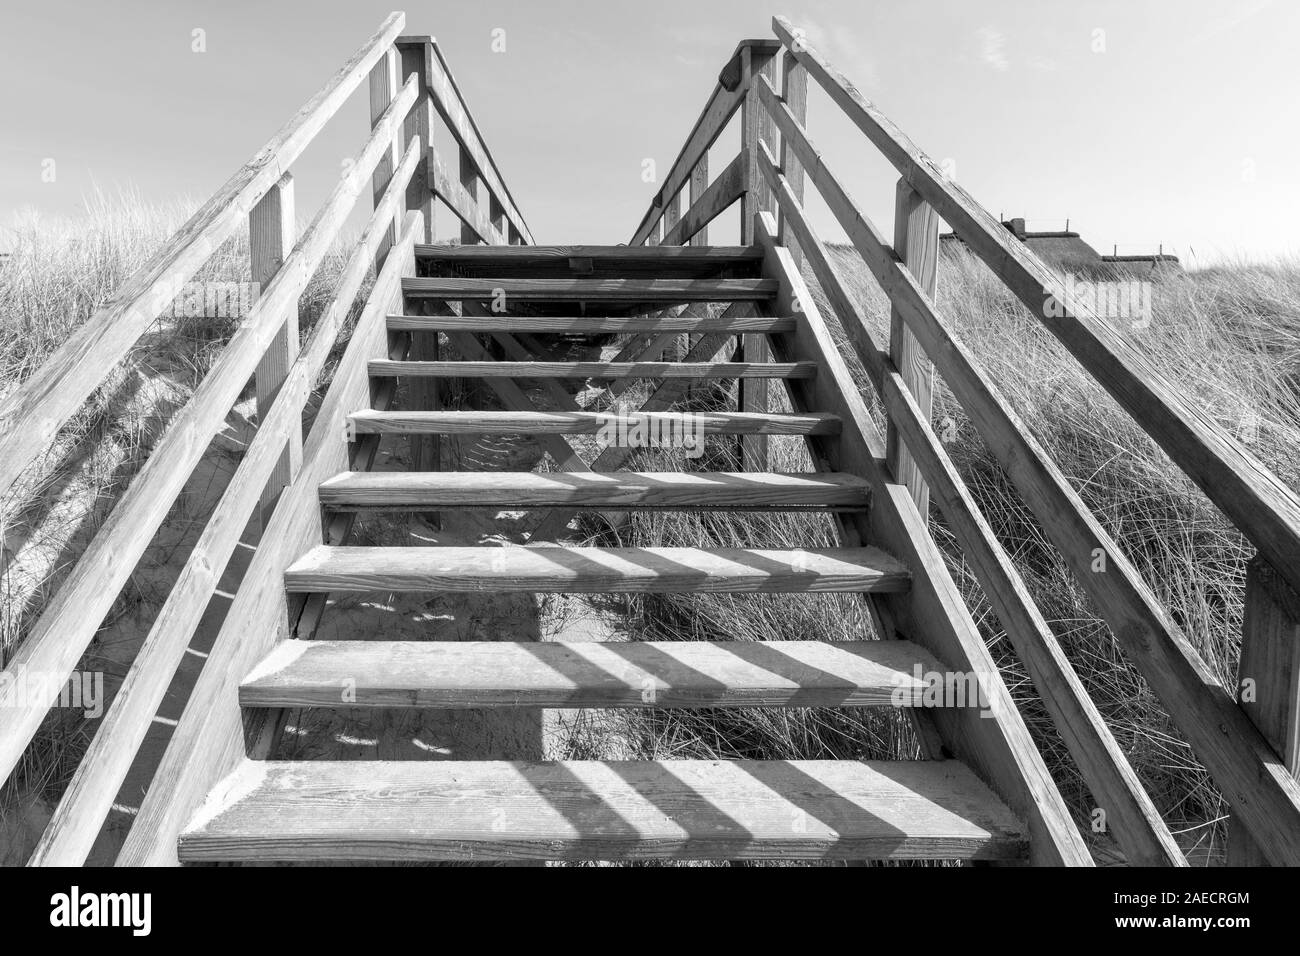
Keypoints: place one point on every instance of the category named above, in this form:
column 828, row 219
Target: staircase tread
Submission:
column 588, row 570
column 590, row 324
column 590, row 674
column 380, row 368
column 614, row 489
column 370, row 421
column 630, row 290
column 618, row 810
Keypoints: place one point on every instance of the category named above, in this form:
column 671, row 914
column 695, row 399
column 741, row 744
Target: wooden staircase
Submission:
column 685, row 315
column 573, row 810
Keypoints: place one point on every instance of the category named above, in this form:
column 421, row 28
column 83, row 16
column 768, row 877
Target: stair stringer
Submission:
column 995, row 743
column 208, row 742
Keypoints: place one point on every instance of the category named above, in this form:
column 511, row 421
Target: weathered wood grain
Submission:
column 592, row 570
column 32, row 413
column 588, row 324
column 437, row 810
column 607, row 290
column 453, row 674
column 462, row 369
column 586, row 423
column 612, row 489
column 76, row 822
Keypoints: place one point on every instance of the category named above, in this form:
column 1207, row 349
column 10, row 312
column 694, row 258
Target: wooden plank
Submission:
column 314, row 810
column 420, row 125
column 465, row 674
column 755, row 127
column 32, row 414
column 698, row 186
column 366, row 422
column 461, row 202
column 664, row 397
column 721, row 106
column 594, row 570
column 916, row 241
column 272, row 230
column 1268, row 683
column 384, row 84
column 1234, row 751
column 469, row 181
column 727, row 189
column 529, row 489
column 1138, row 827
column 1256, row 500
column 209, row 740
column 621, row 257
column 673, row 213
column 460, row 369
column 996, row 744
column 587, row 324
column 794, row 93
column 69, row 622
column 77, row 820
column 453, row 109
column 606, row 290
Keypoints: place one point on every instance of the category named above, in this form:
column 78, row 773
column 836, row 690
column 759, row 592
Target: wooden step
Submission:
column 387, row 368
column 590, row 570
column 467, row 674
column 668, row 262
column 591, row 290
column 679, row 490
column 371, row 422
column 585, row 325
column 315, row 810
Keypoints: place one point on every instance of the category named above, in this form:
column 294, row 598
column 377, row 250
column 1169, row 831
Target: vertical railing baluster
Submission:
column 756, row 125
column 794, row 86
column 272, row 231
column 1268, row 682
column 383, row 87
column 699, row 183
column 470, row 179
column 916, row 240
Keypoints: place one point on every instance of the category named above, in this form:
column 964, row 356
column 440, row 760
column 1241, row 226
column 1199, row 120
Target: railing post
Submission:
column 916, row 240
column 699, row 183
column 672, row 215
column 470, row 179
column 756, row 125
column 419, row 122
column 794, row 87
column 497, row 214
column 272, row 231
column 1268, row 682
column 383, row 87
column 425, row 450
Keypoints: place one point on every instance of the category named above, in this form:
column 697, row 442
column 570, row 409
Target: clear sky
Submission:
column 1143, row 121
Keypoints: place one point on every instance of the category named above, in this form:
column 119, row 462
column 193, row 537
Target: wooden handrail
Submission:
column 67, row 625
column 71, row 832
column 451, row 106
column 1138, row 826
column 1256, row 500
column 1253, row 777
column 32, row 414
column 716, row 199
column 726, row 99
column 209, row 738
column 999, row 749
